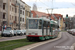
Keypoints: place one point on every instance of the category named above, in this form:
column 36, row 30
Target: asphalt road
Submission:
column 12, row 38
column 64, row 43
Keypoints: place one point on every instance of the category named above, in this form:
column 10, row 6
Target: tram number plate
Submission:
column 33, row 33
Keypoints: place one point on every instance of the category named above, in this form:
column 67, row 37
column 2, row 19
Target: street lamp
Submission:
column 19, row 14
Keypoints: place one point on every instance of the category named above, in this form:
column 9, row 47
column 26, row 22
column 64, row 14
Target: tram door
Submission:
column 48, row 28
column 44, row 27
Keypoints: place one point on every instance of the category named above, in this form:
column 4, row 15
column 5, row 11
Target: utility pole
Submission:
column 50, row 16
column 19, row 16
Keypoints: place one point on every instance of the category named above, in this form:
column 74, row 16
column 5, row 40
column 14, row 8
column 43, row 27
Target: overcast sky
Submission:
column 60, row 6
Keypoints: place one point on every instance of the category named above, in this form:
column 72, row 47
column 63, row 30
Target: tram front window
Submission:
column 33, row 24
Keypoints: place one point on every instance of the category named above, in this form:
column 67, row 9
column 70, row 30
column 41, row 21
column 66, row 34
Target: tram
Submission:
column 41, row 29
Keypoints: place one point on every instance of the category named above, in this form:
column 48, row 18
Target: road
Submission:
column 64, row 43
column 12, row 38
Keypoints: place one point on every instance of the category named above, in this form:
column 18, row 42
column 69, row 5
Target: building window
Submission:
column 23, row 12
column 16, row 1
column 10, row 17
column 3, row 15
column 15, row 10
column 23, row 19
column 26, row 13
column 20, row 11
column 20, row 19
column 3, row 6
column 12, row 8
column 15, row 18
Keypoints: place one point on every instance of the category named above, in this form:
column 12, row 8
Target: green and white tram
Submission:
column 41, row 29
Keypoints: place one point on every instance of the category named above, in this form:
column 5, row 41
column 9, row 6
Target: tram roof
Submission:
column 45, row 19
column 40, row 18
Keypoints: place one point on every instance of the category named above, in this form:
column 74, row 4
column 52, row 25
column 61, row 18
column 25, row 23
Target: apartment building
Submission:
column 1, row 13
column 21, row 5
column 27, row 12
column 9, row 14
column 13, row 14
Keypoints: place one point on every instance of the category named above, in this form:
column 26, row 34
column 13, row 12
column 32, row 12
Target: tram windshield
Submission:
column 33, row 24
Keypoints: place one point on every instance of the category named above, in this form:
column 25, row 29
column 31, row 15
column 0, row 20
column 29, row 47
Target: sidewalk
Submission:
column 73, row 47
column 12, row 38
column 28, row 47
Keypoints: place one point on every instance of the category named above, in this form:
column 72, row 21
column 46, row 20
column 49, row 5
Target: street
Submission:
column 12, row 38
column 64, row 43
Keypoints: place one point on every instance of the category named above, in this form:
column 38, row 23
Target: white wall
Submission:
column 21, row 15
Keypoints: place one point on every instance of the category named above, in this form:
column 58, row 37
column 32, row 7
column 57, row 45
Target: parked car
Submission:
column 70, row 31
column 23, row 32
column 8, row 33
column 73, row 32
column 15, row 32
column 19, row 32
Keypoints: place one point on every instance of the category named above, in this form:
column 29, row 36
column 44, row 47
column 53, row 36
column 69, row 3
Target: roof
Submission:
column 41, row 14
column 22, row 1
column 58, row 15
column 45, row 19
column 51, row 16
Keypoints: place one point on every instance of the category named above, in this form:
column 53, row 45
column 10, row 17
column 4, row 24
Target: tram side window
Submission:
column 40, row 24
column 44, row 24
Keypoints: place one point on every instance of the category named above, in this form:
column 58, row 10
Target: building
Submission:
column 70, row 23
column 21, row 5
column 59, row 20
column 1, row 14
column 8, row 16
column 37, row 14
column 34, row 7
column 27, row 12
column 13, row 14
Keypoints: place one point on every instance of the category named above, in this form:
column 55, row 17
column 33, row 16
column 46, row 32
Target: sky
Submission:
column 59, row 6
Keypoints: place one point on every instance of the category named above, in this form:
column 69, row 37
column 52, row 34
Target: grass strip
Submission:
column 10, row 45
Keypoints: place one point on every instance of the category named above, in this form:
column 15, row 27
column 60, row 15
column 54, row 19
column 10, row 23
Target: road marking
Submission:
column 73, row 46
column 29, row 47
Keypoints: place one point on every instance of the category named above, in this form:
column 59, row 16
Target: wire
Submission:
column 44, row 4
column 73, row 4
